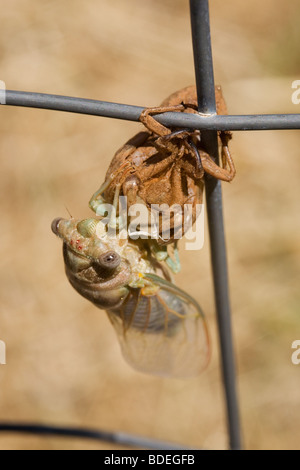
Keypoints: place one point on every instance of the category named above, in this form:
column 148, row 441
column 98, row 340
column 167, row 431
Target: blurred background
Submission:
column 64, row 365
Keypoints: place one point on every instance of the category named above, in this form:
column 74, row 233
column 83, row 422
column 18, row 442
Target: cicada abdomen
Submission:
column 163, row 334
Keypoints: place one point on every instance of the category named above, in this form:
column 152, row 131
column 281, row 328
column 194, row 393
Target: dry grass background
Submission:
column 63, row 360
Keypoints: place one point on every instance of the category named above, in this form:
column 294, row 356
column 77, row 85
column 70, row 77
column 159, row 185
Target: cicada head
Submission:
column 93, row 264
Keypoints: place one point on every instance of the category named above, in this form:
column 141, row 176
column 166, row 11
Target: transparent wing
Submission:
column 163, row 334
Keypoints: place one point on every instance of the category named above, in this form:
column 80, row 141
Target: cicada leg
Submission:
column 99, row 205
column 117, row 222
column 101, row 208
column 97, row 199
column 227, row 160
column 150, row 122
column 174, row 264
column 161, row 254
column 225, row 173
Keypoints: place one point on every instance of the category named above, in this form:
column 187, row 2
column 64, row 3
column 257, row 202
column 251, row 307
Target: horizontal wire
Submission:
column 129, row 112
column 119, row 438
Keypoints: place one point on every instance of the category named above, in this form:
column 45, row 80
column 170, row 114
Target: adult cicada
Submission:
column 161, row 329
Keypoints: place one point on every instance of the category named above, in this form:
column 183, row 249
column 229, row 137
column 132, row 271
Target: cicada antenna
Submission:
column 68, row 212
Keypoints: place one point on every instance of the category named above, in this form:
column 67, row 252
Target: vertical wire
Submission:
column 199, row 10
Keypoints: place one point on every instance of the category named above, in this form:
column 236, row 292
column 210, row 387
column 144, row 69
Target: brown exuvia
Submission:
column 166, row 166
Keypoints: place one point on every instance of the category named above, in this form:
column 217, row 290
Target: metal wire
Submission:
column 207, row 103
column 119, row 438
column 131, row 113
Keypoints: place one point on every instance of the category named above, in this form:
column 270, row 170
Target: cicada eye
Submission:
column 55, row 224
column 87, row 228
column 109, row 260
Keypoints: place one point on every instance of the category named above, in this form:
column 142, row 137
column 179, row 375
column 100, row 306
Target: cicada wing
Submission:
column 163, row 334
